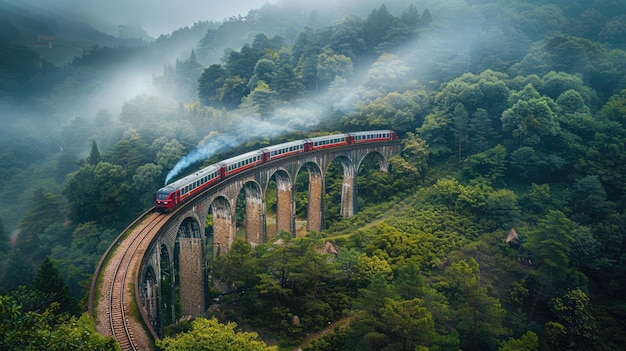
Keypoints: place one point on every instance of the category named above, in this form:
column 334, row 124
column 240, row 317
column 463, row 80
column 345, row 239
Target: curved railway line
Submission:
column 117, row 272
column 114, row 293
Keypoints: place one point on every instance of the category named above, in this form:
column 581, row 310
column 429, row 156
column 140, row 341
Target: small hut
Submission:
column 512, row 239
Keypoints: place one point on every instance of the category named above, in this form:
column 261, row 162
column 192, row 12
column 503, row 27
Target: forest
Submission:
column 500, row 226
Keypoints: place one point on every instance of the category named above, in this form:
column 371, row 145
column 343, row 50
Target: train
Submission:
column 171, row 195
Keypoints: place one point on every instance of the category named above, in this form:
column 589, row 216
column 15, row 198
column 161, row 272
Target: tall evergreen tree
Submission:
column 410, row 16
column 48, row 281
column 377, row 25
column 426, row 18
column 94, row 155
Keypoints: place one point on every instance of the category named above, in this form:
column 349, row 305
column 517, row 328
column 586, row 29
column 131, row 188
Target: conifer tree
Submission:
column 49, row 282
column 94, row 155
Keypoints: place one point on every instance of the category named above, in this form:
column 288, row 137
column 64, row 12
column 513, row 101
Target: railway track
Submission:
column 117, row 283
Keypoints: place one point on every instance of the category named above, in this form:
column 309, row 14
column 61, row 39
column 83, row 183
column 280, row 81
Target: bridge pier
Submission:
column 191, row 268
column 284, row 206
column 224, row 226
column 315, row 215
column 255, row 219
column 191, row 276
column 348, row 189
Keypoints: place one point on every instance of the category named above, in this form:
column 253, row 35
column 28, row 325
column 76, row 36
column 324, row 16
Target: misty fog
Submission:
column 177, row 30
column 511, row 114
column 80, row 100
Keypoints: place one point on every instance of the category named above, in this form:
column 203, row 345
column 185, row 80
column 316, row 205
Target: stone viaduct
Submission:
column 178, row 252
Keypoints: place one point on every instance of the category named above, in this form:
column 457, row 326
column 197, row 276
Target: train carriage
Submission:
column 239, row 163
column 328, row 141
column 373, row 136
column 174, row 193
column 284, row 150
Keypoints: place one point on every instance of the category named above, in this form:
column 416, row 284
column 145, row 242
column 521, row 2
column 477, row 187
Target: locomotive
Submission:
column 176, row 192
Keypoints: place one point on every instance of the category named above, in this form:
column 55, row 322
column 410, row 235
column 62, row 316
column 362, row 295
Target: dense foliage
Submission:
column 513, row 121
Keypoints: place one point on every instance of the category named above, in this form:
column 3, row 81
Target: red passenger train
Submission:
column 174, row 193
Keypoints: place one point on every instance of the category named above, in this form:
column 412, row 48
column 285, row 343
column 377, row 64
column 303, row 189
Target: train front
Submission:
column 165, row 199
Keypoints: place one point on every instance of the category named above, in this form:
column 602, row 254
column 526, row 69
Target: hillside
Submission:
column 512, row 116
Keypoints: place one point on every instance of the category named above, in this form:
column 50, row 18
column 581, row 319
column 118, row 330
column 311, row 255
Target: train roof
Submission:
column 230, row 161
column 283, row 145
column 372, row 132
column 326, row 137
column 194, row 176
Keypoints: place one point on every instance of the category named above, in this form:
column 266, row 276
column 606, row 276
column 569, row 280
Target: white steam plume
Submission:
column 202, row 152
column 249, row 127
column 389, row 72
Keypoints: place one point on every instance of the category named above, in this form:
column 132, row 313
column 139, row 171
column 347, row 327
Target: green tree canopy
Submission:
column 49, row 282
column 210, row 335
column 25, row 330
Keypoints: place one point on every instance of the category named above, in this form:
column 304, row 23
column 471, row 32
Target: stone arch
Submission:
column 189, row 228
column 189, row 254
column 224, row 226
column 284, row 202
column 150, row 297
column 315, row 204
column 368, row 174
column 382, row 160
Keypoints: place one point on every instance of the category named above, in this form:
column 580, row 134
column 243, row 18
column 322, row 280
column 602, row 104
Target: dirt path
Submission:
column 342, row 323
